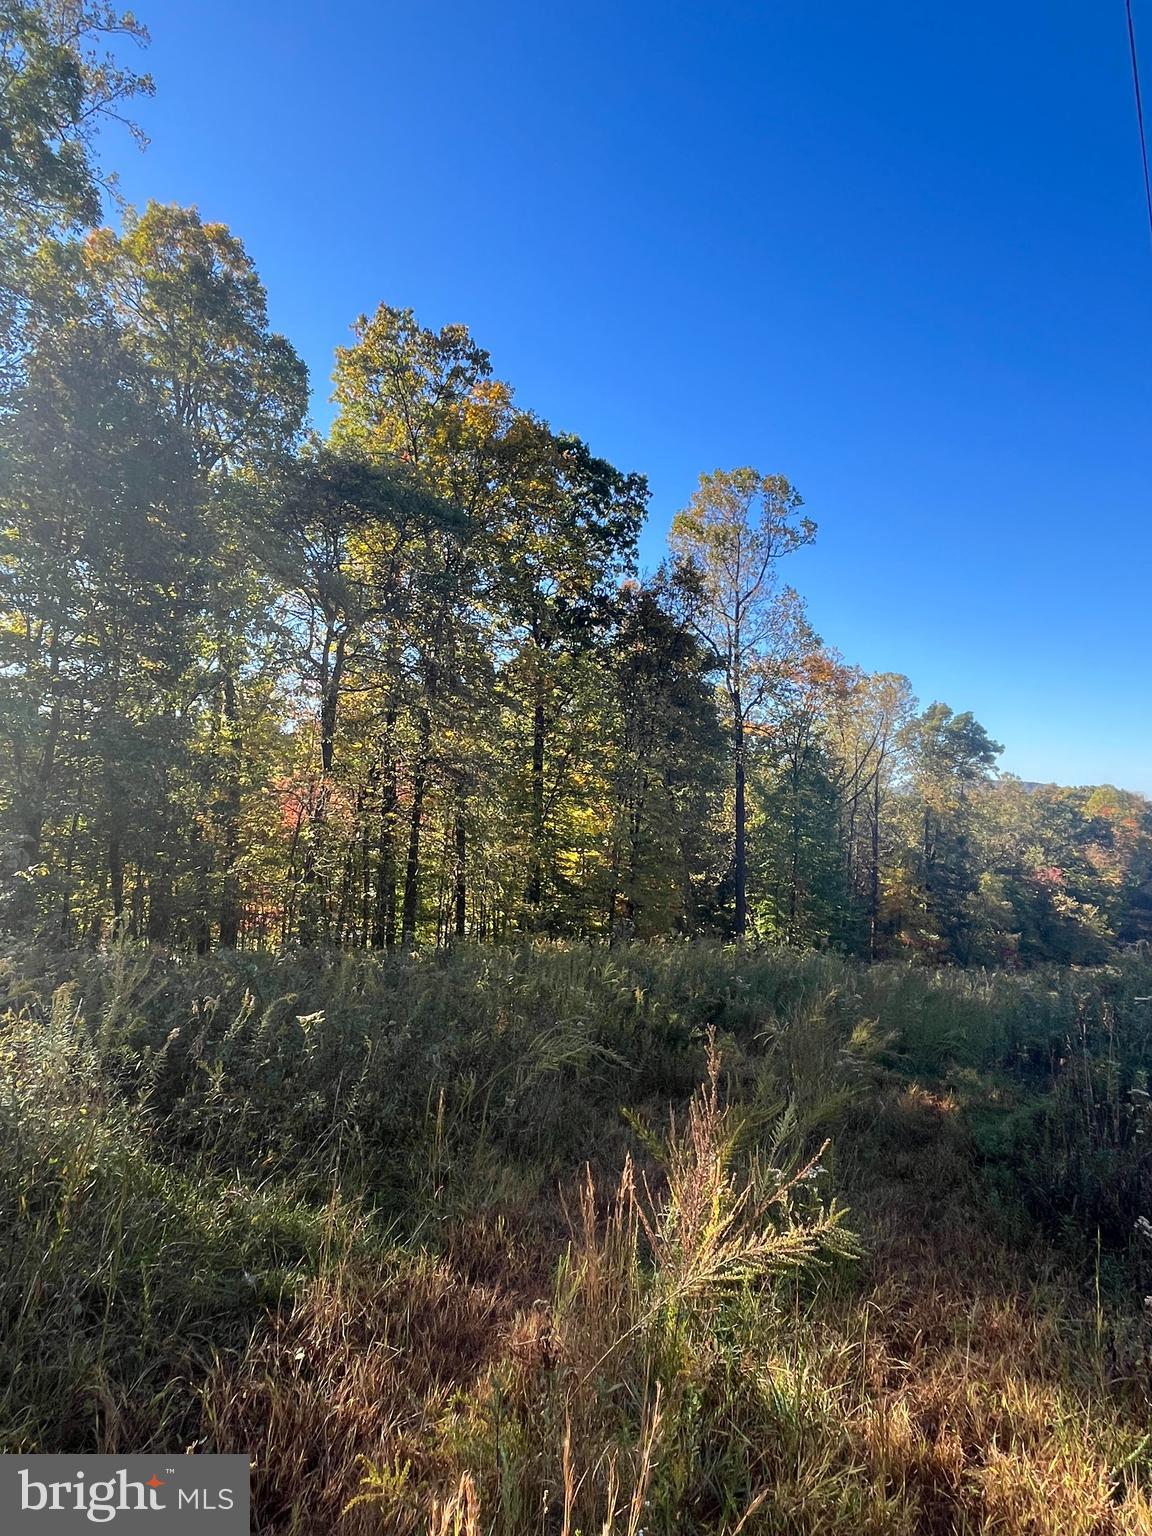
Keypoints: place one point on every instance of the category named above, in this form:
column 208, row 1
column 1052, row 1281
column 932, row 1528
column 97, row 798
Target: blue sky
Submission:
column 897, row 252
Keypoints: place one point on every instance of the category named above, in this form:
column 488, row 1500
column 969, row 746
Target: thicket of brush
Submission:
column 564, row 1240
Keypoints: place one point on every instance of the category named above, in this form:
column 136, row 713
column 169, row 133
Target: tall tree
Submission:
column 803, row 869
column 193, row 307
column 567, row 536
column 728, row 542
column 100, row 572
column 949, row 755
column 423, row 402
column 351, row 540
column 865, row 725
column 667, row 766
column 191, row 300
column 548, row 530
column 59, row 83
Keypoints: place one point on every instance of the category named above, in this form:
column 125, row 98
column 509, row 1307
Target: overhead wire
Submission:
column 1139, row 112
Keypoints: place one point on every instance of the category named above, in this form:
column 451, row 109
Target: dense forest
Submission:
column 403, row 684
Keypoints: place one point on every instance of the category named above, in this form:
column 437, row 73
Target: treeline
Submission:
column 403, row 684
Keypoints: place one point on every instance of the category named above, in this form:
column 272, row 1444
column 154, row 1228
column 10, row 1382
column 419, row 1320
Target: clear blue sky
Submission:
column 895, row 251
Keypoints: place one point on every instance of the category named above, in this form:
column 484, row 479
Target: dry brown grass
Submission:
column 959, row 1393
column 358, row 1373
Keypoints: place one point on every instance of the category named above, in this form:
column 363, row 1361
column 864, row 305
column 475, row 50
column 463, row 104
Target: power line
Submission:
column 1140, row 112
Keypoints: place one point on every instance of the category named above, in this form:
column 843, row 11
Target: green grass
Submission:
column 666, row 1238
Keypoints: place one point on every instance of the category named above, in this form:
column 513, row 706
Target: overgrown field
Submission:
column 563, row 1240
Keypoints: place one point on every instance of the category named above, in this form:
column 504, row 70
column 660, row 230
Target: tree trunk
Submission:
column 159, row 903
column 330, row 704
column 116, row 881
column 794, row 862
column 364, row 927
column 741, row 869
column 534, row 891
column 313, row 907
column 384, row 915
column 229, row 915
column 347, row 886
column 461, row 866
column 635, row 832
column 35, row 811
column 874, row 881
column 410, row 912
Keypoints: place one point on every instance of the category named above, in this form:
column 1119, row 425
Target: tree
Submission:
column 866, row 723
column 525, row 579
column 566, row 537
column 58, row 86
column 422, row 402
column 100, row 568
column 667, row 764
column 193, row 309
column 350, row 541
column 949, row 755
column 403, row 686
column 728, row 543
column 192, row 303
column 799, row 855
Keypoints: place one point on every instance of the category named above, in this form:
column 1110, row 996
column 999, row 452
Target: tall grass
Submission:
column 556, row 1240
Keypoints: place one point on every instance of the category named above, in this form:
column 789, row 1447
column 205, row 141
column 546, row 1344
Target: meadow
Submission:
column 559, row 1239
